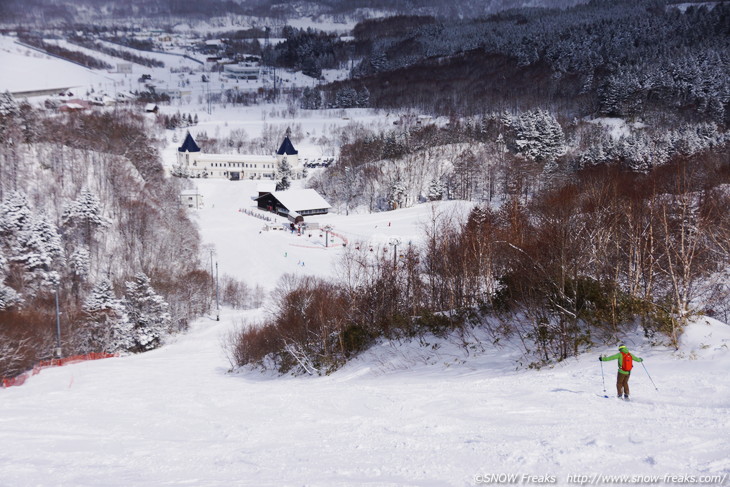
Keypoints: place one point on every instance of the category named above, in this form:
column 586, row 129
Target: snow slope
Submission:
column 248, row 252
column 21, row 67
column 396, row 416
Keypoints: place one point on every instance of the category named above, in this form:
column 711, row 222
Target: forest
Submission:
column 594, row 143
column 622, row 59
column 88, row 217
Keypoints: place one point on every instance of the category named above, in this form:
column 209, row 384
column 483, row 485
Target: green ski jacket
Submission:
column 619, row 357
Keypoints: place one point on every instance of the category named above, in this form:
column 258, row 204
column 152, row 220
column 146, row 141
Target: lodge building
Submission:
column 192, row 162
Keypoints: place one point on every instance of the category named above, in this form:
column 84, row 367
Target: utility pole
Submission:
column 217, row 304
column 327, row 229
column 395, row 242
column 58, row 328
column 212, row 276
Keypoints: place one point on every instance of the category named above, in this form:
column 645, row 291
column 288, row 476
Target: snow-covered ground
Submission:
column 21, row 67
column 246, row 250
column 399, row 415
column 617, row 127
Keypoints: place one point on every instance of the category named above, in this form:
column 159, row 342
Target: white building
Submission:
column 242, row 71
column 191, row 198
column 192, row 162
column 124, row 68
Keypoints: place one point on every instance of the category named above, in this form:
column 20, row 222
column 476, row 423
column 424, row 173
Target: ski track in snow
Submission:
column 396, row 416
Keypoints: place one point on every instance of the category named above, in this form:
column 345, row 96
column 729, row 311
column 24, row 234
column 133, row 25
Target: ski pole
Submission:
column 603, row 380
column 647, row 373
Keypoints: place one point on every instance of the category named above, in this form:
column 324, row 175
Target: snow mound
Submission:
column 706, row 338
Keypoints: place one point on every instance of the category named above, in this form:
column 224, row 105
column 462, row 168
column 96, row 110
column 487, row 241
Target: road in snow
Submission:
column 397, row 416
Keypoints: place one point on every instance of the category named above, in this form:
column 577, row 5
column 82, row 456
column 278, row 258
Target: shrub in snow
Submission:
column 8, row 297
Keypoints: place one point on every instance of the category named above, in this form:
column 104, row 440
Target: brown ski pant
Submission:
column 622, row 384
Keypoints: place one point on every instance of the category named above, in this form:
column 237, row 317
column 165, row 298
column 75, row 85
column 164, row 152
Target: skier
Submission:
column 625, row 364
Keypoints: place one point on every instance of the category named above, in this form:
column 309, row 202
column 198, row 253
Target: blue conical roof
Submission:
column 287, row 148
column 189, row 145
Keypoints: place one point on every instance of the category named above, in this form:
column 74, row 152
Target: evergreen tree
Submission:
column 108, row 327
column 39, row 250
column 8, row 105
column 539, row 136
column 8, row 296
column 397, row 195
column 346, row 98
column 285, row 173
column 85, row 214
column 15, row 215
column 80, row 263
column 363, row 98
column 435, row 190
column 38, row 245
column 148, row 314
column 311, row 99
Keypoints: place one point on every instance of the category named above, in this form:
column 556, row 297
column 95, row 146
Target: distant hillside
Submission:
column 67, row 11
column 613, row 58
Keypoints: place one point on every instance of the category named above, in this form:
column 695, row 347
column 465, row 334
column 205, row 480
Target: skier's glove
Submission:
column 600, row 358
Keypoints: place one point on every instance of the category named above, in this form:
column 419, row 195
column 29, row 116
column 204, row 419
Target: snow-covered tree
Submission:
column 435, row 190
column 39, row 245
column 539, row 136
column 397, row 194
column 346, row 98
column 311, row 99
column 85, row 213
column 8, row 296
column 8, row 105
column 285, row 175
column 80, row 263
column 147, row 312
column 15, row 214
column 108, row 327
column 363, row 98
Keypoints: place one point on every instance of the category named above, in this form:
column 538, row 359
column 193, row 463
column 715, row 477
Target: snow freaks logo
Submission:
column 598, row 479
column 514, row 478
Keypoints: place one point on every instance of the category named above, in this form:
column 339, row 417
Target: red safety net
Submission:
column 59, row 362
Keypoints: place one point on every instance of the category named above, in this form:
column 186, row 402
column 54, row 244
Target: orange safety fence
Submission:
column 56, row 362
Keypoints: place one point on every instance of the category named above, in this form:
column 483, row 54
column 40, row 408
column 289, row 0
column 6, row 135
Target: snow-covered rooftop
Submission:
column 301, row 199
column 266, row 187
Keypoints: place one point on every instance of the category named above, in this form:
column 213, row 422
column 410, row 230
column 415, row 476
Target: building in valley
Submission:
column 193, row 162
